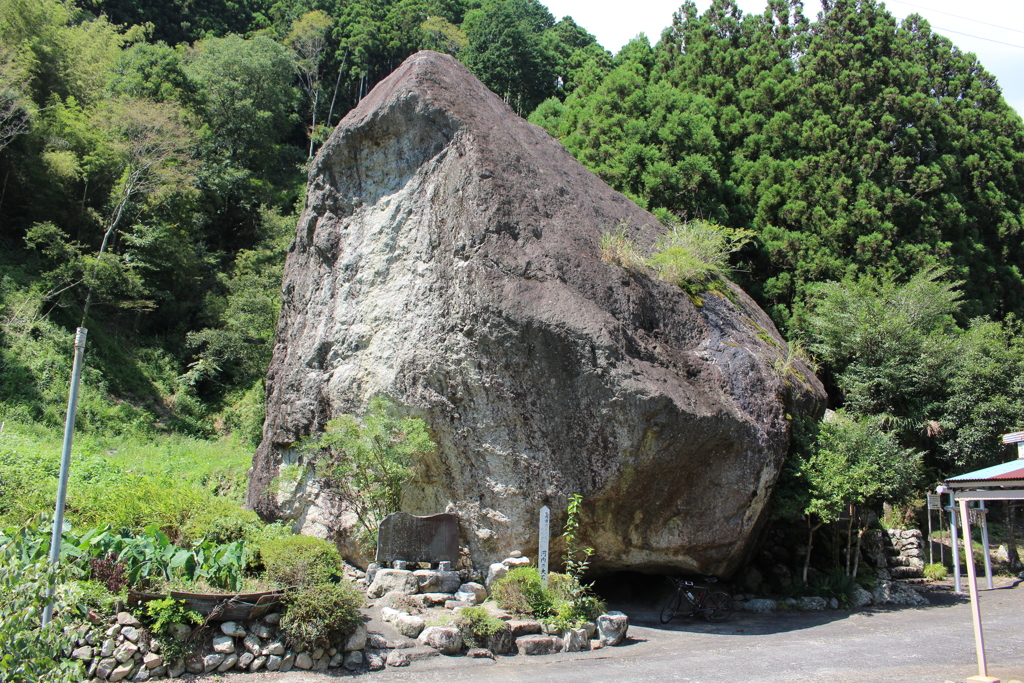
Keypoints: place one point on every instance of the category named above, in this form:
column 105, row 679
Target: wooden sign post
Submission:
column 543, row 539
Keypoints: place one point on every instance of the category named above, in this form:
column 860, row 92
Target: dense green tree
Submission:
column 507, row 51
column 852, row 144
column 986, row 394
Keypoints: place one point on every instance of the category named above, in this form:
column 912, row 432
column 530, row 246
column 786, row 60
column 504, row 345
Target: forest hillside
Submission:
column 866, row 176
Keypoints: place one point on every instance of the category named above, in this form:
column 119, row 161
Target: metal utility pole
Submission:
column 65, row 461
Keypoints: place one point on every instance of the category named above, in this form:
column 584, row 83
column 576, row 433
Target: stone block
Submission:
column 812, row 603
column 409, row 625
column 539, row 645
column 353, row 660
column 212, row 661
column 274, row 662
column 502, row 642
column 303, row 661
column 356, row 640
column 495, row 572
column 575, row 640
column 398, row 658
column 612, row 628
column 223, row 644
column 229, row 661
column 524, row 628
column 152, row 660
column 445, row 639
column 234, row 629
column 393, row 580
column 760, row 606
column 126, row 619
column 105, row 666
column 120, row 672
column 257, row 664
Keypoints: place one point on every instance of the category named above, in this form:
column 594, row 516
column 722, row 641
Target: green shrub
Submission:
column 521, row 592
column 29, row 653
column 258, row 536
column 935, row 572
column 221, row 521
column 161, row 615
column 835, row 584
column 478, row 625
column 320, row 615
column 300, row 560
column 572, row 603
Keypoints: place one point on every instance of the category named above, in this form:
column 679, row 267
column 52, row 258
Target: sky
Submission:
column 991, row 29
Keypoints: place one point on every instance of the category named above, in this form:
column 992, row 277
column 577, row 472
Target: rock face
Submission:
column 448, row 257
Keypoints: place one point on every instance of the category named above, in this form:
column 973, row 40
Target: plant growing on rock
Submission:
column 367, row 460
column 162, row 616
column 695, row 254
column 478, row 625
column 323, row 614
column 618, row 249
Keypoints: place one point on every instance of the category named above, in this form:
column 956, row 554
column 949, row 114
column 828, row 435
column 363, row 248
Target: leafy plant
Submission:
column 368, row 460
column 320, row 615
column 300, row 560
column 577, row 556
column 28, row 652
column 835, row 584
column 521, row 592
column 161, row 616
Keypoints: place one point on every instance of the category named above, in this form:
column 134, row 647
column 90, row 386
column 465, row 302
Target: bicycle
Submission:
column 702, row 601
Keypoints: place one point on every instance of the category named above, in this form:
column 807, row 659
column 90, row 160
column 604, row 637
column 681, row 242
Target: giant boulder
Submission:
column 448, row 256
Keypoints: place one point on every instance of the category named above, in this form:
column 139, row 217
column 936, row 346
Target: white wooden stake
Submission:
column 972, row 584
column 543, row 540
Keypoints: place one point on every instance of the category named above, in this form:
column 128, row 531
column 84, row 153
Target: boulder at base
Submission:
column 448, row 257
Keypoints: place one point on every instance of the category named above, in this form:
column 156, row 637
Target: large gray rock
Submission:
column 393, row 581
column 445, row 639
column 448, row 256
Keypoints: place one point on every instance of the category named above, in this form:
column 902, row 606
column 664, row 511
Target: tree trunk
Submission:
column 811, row 528
column 849, row 538
column 1011, row 538
column 856, row 557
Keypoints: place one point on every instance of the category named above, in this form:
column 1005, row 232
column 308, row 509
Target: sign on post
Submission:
column 543, row 539
column 934, row 501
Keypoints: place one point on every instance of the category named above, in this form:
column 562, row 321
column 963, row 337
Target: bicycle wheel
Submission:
column 717, row 606
column 671, row 608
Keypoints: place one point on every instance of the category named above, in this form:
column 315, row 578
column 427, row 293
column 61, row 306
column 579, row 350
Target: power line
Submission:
column 970, row 35
column 957, row 16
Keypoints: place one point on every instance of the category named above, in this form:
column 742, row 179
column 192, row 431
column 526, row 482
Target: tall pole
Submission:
column 984, row 543
column 956, row 550
column 972, row 585
column 543, row 539
column 65, row 461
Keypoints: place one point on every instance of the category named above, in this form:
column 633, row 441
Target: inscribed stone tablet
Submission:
column 434, row 538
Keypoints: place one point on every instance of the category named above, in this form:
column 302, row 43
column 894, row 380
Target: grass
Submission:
column 183, row 484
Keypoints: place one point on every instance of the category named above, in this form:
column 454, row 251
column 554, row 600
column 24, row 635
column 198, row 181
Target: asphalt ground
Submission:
column 932, row 644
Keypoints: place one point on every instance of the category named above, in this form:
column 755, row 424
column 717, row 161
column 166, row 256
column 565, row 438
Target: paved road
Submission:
column 911, row 645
